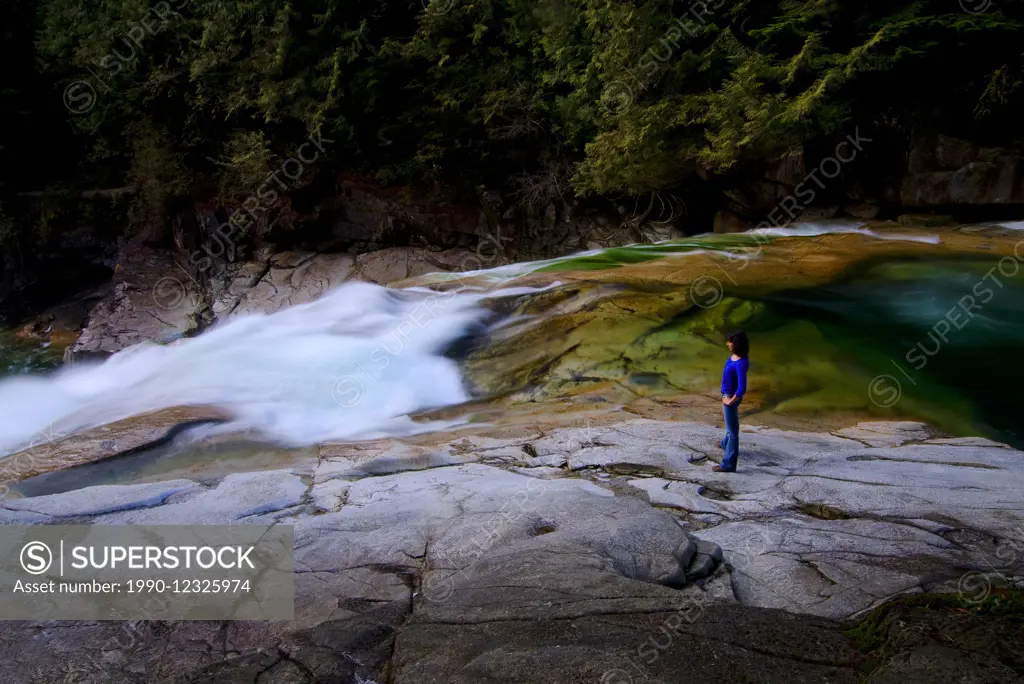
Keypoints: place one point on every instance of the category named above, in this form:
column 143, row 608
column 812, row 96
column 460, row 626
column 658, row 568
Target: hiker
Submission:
column 734, row 385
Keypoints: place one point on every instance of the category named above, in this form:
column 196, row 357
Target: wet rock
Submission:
column 53, row 453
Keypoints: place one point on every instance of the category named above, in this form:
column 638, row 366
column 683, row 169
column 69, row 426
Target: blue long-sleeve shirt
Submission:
column 734, row 377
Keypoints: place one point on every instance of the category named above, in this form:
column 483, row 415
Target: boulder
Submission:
column 152, row 299
column 945, row 171
column 289, row 279
column 398, row 263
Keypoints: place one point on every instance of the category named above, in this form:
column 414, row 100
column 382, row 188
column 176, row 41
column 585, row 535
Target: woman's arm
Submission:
column 741, row 381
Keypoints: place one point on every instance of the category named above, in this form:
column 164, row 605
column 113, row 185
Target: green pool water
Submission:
column 19, row 357
column 943, row 338
column 740, row 244
column 839, row 348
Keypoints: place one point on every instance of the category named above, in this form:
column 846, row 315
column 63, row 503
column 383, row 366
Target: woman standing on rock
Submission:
column 734, row 385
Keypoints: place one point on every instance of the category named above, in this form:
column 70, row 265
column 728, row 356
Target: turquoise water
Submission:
column 930, row 340
column 928, row 330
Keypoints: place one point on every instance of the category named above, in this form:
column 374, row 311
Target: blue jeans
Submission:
column 731, row 442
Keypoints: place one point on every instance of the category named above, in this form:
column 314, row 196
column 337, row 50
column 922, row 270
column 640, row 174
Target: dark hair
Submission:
column 740, row 343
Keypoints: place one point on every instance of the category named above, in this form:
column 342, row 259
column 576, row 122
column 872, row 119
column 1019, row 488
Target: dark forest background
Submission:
column 190, row 101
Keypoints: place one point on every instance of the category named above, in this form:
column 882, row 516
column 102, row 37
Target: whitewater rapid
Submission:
column 351, row 365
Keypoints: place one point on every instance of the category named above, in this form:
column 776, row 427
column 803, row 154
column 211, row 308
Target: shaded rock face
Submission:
column 291, row 278
column 949, row 643
column 728, row 222
column 151, row 300
column 944, row 171
column 359, row 216
column 78, row 256
column 602, row 555
column 936, row 171
column 369, row 218
column 366, row 215
column 154, row 300
column 762, row 188
column 372, row 234
column 287, row 279
column 398, row 263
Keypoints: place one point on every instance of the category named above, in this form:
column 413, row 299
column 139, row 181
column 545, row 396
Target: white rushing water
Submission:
column 723, row 244
column 353, row 364
column 842, row 226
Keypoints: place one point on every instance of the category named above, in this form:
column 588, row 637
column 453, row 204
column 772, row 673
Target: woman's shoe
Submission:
column 720, row 469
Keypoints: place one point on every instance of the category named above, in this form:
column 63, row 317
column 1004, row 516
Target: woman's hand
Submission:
column 730, row 400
